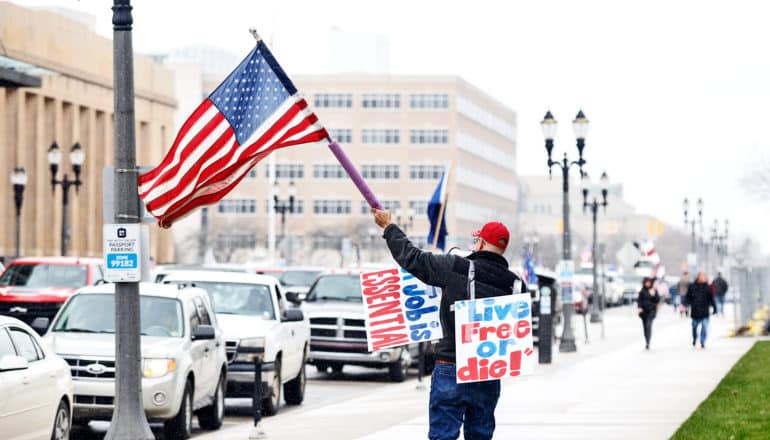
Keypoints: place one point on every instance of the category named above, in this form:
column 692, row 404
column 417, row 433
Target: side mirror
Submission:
column 204, row 332
column 293, row 315
column 296, row 297
column 40, row 325
column 12, row 363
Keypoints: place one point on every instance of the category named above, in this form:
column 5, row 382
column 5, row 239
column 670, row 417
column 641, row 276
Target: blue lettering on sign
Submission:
column 122, row 261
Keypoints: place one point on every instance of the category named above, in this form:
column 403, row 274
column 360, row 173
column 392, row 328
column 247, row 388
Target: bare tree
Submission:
column 756, row 178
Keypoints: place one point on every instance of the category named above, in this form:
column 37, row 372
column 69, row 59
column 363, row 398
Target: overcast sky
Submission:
column 677, row 92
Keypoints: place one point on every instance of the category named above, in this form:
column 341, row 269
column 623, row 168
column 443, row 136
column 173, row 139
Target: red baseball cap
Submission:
column 494, row 233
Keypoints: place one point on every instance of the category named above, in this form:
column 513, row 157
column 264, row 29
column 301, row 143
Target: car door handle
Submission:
column 25, row 380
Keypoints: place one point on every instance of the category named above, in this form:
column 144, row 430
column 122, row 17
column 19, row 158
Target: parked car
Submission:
column 338, row 334
column 35, row 385
column 299, row 279
column 253, row 314
column 36, row 287
column 184, row 365
column 632, row 284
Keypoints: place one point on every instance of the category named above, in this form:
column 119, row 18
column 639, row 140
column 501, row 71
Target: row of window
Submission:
column 335, row 171
column 382, row 100
column 248, row 206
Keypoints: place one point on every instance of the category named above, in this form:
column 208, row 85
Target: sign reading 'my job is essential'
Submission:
column 121, row 253
column 493, row 338
column 399, row 308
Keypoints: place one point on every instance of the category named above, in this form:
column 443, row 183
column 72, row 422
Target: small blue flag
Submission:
column 434, row 207
column 529, row 267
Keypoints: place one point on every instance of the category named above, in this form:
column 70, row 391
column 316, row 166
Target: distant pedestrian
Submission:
column 682, row 286
column 676, row 300
column 699, row 299
column 719, row 285
column 647, row 301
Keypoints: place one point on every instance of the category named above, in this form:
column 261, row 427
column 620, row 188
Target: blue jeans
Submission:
column 720, row 302
column 453, row 404
column 704, row 325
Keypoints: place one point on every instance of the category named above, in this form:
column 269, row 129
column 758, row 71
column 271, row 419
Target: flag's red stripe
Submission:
column 299, row 128
column 195, row 143
column 192, row 173
column 315, row 136
column 196, row 114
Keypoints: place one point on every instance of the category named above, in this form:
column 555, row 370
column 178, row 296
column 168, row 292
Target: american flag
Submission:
column 255, row 111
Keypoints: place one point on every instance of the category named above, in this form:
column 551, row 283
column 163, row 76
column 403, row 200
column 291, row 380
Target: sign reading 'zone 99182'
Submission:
column 121, row 253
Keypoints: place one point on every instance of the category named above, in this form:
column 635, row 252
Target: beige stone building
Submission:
column 56, row 84
column 402, row 132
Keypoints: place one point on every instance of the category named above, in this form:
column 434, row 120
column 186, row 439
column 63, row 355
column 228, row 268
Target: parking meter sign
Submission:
column 121, row 253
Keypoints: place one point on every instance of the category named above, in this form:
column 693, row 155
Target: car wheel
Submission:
column 180, row 426
column 294, row 390
column 273, row 402
column 212, row 416
column 399, row 369
column 62, row 423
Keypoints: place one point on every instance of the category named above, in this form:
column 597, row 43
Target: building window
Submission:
column 328, row 171
column 334, row 100
column 287, row 171
column 428, row 136
column 324, row 207
column 380, row 136
column 252, row 173
column 341, row 135
column 426, row 172
column 299, row 207
column 326, row 242
column 237, row 206
column 381, row 100
column 387, row 172
column 236, row 241
column 429, row 100
column 390, row 205
column 420, row 207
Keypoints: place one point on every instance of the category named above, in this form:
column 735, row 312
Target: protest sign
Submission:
column 399, row 309
column 493, row 338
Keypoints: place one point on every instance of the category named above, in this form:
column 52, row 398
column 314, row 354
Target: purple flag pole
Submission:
column 355, row 176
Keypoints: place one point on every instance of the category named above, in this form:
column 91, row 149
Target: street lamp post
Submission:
column 407, row 217
column 77, row 156
column 596, row 315
column 692, row 222
column 720, row 241
column 282, row 206
column 580, row 125
column 19, row 181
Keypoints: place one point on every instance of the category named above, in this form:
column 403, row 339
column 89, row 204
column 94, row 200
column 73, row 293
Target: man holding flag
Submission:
column 453, row 405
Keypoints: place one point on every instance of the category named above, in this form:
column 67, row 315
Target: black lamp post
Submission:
column 596, row 315
column 282, row 206
column 77, row 156
column 580, row 125
column 692, row 222
column 407, row 217
column 720, row 241
column 19, row 181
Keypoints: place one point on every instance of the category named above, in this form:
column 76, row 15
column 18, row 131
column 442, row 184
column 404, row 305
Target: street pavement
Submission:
column 611, row 388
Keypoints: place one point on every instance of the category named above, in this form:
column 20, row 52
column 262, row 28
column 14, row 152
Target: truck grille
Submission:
column 91, row 368
column 341, row 335
column 323, row 321
column 230, row 348
column 27, row 312
column 93, row 400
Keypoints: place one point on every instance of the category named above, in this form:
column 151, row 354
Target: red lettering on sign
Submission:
column 382, row 297
column 523, row 328
column 382, row 340
column 371, row 278
column 386, row 308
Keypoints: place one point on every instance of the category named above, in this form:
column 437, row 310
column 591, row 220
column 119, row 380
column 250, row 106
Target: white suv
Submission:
column 183, row 355
column 256, row 321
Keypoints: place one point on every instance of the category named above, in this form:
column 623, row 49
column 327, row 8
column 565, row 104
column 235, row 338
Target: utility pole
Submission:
column 128, row 419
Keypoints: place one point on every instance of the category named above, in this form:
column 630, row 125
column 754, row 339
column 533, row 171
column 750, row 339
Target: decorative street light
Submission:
column 19, row 181
column 407, row 216
column 596, row 315
column 282, row 206
column 77, row 157
column 720, row 240
column 692, row 222
column 580, row 126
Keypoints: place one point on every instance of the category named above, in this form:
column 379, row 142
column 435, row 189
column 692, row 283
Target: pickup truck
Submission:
column 36, row 287
column 255, row 320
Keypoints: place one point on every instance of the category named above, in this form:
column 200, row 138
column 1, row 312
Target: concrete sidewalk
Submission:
column 611, row 388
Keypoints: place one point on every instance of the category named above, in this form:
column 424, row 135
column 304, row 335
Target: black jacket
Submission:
column 720, row 286
column 450, row 273
column 648, row 302
column 699, row 298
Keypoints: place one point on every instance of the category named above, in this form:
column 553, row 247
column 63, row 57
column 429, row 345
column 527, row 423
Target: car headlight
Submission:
column 153, row 367
column 249, row 349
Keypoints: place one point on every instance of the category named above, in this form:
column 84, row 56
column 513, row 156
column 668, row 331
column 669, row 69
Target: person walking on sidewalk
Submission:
column 452, row 405
column 647, row 301
column 700, row 299
column 720, row 290
column 682, row 286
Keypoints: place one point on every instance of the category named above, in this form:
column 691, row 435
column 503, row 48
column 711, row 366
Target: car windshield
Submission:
column 292, row 278
column 44, row 275
column 239, row 299
column 338, row 287
column 96, row 314
column 585, row 271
